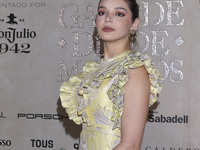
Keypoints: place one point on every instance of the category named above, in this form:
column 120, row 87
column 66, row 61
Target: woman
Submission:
column 111, row 98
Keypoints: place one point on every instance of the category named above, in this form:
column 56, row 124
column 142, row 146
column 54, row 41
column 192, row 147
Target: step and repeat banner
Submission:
column 43, row 43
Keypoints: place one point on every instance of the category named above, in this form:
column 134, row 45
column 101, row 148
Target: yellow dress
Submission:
column 94, row 98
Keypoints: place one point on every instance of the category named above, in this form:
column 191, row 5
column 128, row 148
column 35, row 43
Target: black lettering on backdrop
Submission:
column 41, row 116
column 2, row 116
column 42, row 143
column 168, row 119
column 37, row 4
column 5, row 142
column 22, row 5
column 169, row 148
column 11, row 34
column 76, row 146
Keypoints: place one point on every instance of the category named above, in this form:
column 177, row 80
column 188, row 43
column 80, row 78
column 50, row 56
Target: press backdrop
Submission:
column 43, row 43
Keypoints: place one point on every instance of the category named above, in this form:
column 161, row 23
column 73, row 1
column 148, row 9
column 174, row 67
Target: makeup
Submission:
column 108, row 29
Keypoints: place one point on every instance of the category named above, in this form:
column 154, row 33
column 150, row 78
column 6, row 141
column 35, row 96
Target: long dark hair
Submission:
column 134, row 8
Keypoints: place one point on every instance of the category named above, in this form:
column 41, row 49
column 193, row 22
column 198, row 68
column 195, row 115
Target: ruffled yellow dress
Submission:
column 94, row 98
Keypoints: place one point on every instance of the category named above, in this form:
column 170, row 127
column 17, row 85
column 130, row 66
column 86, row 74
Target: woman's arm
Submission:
column 136, row 103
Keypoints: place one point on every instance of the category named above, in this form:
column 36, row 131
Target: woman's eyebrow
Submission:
column 102, row 7
column 115, row 8
column 121, row 8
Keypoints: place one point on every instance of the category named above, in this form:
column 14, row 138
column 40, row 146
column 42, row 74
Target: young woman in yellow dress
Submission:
column 111, row 98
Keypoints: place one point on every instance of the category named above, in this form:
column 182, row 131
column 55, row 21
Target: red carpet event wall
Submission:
column 43, row 43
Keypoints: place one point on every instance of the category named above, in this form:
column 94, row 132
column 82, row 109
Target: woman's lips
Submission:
column 108, row 29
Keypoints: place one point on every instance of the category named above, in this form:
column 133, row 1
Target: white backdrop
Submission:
column 43, row 43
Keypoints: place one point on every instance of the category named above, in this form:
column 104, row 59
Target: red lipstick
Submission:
column 108, row 29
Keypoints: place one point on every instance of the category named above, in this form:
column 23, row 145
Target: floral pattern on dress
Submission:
column 94, row 98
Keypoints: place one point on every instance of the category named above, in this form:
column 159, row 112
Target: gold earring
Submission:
column 132, row 36
column 98, row 36
column 97, row 42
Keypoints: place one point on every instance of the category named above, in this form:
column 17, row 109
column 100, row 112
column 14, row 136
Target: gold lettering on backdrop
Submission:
column 170, row 69
column 88, row 14
column 61, row 16
column 146, row 41
column 176, row 71
column 161, row 13
column 155, row 42
column 170, row 13
column 74, row 69
column 146, row 13
column 172, row 10
column 76, row 43
column 166, row 69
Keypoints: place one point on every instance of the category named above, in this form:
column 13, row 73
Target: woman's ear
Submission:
column 135, row 24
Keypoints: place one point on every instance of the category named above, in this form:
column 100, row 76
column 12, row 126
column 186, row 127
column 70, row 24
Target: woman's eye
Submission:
column 101, row 13
column 119, row 14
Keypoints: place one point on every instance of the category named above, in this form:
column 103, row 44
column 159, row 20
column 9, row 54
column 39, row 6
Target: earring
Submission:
column 97, row 42
column 132, row 36
column 98, row 36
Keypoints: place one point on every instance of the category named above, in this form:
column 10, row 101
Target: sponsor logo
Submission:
column 76, row 146
column 169, row 148
column 12, row 38
column 11, row 34
column 22, row 5
column 5, row 142
column 41, row 116
column 42, row 143
column 167, row 119
column 2, row 116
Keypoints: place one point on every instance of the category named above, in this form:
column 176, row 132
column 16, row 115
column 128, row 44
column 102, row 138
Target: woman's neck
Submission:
column 112, row 49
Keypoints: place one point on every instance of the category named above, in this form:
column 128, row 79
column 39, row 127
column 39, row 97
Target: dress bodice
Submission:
column 95, row 97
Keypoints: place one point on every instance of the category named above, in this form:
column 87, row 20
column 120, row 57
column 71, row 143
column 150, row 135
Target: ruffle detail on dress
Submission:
column 80, row 90
column 73, row 95
column 120, row 76
column 68, row 98
column 154, row 75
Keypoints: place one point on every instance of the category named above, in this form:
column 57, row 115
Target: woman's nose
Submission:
column 109, row 18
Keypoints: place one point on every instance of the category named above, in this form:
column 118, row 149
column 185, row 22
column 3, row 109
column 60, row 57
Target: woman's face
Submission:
column 114, row 20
